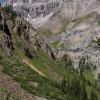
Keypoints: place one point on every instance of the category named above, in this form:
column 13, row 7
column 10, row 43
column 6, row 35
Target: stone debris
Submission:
column 14, row 87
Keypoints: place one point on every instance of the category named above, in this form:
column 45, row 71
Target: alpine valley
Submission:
column 50, row 50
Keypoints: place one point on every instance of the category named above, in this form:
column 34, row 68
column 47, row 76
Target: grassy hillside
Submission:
column 52, row 86
column 62, row 81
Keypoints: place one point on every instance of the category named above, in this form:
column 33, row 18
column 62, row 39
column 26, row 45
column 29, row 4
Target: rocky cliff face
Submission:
column 17, row 33
column 36, row 12
column 76, row 8
column 72, row 30
column 75, row 38
column 68, row 38
column 6, row 44
column 75, row 24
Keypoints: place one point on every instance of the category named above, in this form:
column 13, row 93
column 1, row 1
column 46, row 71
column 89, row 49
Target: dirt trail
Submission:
column 34, row 68
column 14, row 87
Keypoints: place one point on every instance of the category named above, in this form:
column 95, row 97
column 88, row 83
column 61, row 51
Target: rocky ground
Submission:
column 72, row 23
column 38, row 58
column 14, row 87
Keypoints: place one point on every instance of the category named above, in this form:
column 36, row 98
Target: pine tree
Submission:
column 93, row 95
column 63, row 85
column 83, row 92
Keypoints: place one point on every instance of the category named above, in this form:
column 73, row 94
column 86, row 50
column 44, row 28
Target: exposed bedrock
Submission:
column 77, row 20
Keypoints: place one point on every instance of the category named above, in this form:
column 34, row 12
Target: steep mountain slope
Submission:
column 30, row 61
column 74, row 37
column 76, row 8
column 36, row 12
column 19, row 44
column 9, row 24
column 72, row 31
column 74, row 21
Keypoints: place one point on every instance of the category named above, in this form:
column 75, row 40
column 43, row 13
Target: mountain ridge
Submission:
column 52, row 52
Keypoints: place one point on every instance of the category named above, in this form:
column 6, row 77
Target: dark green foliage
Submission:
column 27, row 87
column 0, row 57
column 97, row 42
column 8, row 9
column 93, row 95
column 74, row 88
column 64, row 85
column 99, row 76
column 66, row 62
column 84, row 65
column 24, row 76
column 68, row 89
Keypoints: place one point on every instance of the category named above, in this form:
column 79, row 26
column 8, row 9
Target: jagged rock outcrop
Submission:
column 39, row 12
column 74, row 37
column 35, row 8
column 76, row 40
column 36, row 12
column 76, row 8
column 6, row 45
column 76, row 22
column 18, row 33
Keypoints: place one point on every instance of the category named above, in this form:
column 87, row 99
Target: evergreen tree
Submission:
column 63, row 85
column 99, row 76
column 93, row 95
column 83, row 93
